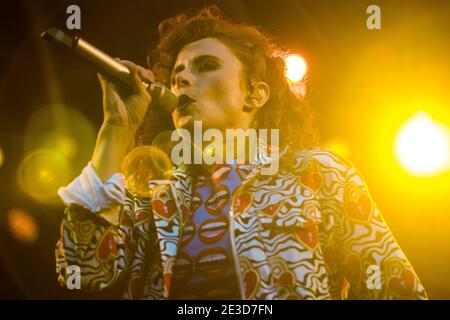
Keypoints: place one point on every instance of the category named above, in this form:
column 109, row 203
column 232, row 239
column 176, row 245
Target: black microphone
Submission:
column 161, row 95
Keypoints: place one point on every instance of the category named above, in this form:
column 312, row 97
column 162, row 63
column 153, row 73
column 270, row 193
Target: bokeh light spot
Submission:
column 22, row 226
column 145, row 163
column 62, row 144
column 41, row 173
column 62, row 129
column 422, row 146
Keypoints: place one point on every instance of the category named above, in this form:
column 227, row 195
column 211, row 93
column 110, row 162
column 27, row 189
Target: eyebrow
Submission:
column 197, row 60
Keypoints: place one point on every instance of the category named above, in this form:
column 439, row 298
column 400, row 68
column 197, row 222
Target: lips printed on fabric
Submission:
column 204, row 266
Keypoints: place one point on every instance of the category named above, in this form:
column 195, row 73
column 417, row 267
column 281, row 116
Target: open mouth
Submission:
column 184, row 101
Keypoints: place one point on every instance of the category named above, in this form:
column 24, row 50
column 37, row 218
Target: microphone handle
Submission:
column 159, row 92
column 161, row 95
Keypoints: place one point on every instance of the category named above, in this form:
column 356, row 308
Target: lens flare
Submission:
column 422, row 146
column 22, row 226
column 62, row 129
column 163, row 141
column 295, row 68
column 64, row 145
column 41, row 173
column 142, row 164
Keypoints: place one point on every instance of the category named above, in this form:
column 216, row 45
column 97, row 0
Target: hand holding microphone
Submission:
column 126, row 111
column 119, row 110
column 123, row 113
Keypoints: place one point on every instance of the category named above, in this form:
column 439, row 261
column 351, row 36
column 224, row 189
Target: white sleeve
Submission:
column 90, row 192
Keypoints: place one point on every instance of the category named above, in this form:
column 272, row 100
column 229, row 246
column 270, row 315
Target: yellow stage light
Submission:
column 295, row 68
column 422, row 146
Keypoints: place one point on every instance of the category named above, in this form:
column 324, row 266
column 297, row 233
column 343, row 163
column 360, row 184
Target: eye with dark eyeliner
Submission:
column 201, row 64
column 207, row 66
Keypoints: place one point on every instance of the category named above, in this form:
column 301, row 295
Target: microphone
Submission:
column 161, row 95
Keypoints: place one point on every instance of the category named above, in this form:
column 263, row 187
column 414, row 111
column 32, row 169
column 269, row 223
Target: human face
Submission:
column 211, row 75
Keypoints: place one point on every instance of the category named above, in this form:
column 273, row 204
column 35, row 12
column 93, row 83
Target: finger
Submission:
column 138, row 85
column 129, row 64
column 145, row 74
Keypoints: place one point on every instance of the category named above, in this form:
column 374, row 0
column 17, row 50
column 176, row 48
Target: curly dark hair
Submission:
column 261, row 59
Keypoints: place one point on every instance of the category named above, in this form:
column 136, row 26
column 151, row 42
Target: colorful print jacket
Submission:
column 311, row 231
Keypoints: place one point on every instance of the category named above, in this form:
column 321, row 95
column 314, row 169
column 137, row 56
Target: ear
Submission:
column 257, row 96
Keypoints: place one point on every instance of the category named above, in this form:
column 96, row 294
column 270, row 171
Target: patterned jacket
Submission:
column 311, row 231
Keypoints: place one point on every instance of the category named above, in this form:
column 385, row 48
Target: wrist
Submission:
column 110, row 149
column 117, row 132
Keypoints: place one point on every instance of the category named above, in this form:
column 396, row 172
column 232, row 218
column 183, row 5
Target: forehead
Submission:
column 206, row 46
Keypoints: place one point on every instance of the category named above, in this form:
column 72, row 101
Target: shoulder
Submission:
column 320, row 168
column 323, row 168
column 321, row 157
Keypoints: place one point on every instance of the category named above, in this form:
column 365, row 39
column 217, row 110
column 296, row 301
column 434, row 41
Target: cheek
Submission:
column 227, row 94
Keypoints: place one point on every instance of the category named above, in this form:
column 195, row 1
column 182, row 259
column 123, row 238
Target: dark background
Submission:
column 364, row 83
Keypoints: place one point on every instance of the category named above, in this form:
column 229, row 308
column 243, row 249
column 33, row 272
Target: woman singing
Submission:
column 225, row 230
